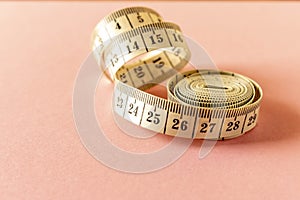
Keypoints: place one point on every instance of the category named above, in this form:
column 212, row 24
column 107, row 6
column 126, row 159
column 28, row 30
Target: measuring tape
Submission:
column 138, row 50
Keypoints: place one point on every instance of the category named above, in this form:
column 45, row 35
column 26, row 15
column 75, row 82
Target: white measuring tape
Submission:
column 138, row 50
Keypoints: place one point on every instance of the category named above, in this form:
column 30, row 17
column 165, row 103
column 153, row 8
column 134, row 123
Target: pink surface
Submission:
column 41, row 157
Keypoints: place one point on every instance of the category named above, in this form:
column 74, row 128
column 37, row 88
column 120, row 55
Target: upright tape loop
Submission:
column 137, row 49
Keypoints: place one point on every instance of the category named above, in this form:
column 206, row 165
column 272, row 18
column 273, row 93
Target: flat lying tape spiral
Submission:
column 136, row 49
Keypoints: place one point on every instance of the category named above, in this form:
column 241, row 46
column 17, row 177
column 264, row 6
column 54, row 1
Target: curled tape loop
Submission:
column 137, row 50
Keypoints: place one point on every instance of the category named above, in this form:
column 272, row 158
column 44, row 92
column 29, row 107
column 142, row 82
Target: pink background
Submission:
column 41, row 157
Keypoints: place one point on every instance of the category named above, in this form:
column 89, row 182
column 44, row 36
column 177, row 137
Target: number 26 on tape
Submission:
column 177, row 124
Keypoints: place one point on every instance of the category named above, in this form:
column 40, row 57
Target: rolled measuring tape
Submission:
column 138, row 50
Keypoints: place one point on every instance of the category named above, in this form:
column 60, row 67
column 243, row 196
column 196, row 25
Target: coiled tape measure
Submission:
column 136, row 49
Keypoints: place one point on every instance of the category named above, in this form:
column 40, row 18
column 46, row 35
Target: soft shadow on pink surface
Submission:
column 278, row 122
